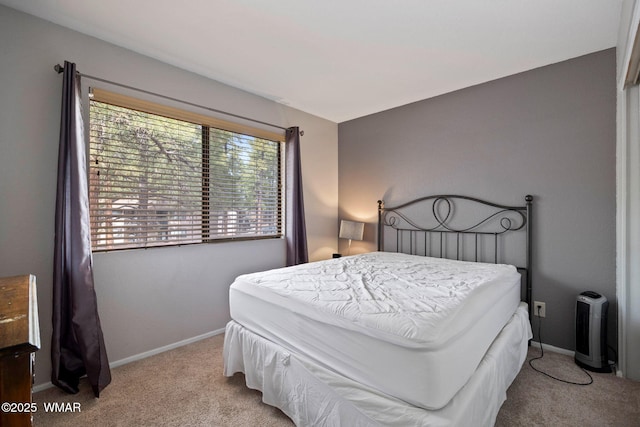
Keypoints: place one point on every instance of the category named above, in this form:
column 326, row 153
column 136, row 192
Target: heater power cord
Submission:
column 542, row 355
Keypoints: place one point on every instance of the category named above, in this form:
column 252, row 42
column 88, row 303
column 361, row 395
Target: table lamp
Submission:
column 351, row 230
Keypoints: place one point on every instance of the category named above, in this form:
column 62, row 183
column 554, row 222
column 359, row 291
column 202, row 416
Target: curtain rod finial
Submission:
column 59, row 68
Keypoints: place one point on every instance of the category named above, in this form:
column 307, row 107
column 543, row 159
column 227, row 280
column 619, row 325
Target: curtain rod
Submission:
column 59, row 69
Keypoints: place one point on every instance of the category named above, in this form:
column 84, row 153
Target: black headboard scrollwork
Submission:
column 460, row 227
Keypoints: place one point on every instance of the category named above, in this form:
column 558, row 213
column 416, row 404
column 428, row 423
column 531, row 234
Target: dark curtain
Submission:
column 296, row 234
column 77, row 346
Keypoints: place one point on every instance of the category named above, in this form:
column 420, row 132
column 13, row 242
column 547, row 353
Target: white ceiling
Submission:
column 343, row 59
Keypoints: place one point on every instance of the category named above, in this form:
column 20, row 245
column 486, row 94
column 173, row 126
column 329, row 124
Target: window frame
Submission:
column 97, row 93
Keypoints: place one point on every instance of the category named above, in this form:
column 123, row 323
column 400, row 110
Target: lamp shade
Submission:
column 351, row 230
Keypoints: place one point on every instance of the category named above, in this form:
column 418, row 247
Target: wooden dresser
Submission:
column 19, row 339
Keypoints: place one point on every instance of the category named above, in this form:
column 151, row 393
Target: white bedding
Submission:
column 312, row 395
column 370, row 317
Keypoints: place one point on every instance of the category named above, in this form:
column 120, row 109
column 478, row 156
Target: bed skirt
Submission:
column 313, row 395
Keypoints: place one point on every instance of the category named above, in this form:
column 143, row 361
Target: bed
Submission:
column 429, row 330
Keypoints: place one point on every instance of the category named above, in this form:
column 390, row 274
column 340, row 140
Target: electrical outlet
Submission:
column 539, row 309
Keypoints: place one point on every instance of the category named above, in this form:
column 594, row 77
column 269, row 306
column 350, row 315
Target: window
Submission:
column 160, row 176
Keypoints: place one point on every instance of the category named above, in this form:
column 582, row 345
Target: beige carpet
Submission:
column 185, row 387
column 536, row 400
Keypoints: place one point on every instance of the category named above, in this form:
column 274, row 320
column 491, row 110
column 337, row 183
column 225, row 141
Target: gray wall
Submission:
column 147, row 299
column 549, row 132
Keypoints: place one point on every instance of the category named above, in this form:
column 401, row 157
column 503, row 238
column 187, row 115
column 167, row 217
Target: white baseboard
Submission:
column 554, row 349
column 164, row 348
column 44, row 386
column 566, row 352
column 40, row 387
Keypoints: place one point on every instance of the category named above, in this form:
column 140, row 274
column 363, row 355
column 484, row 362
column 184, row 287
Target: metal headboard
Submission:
column 475, row 233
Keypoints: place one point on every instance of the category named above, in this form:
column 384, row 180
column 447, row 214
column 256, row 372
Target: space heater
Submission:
column 591, row 332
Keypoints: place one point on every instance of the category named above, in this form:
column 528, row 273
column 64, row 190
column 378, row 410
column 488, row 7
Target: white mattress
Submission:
column 313, row 395
column 412, row 327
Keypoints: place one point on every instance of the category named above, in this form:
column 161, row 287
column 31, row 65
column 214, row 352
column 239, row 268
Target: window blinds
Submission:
column 157, row 180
